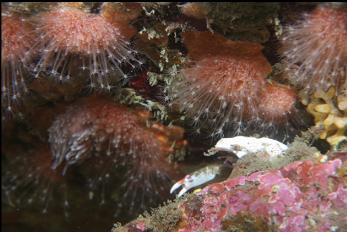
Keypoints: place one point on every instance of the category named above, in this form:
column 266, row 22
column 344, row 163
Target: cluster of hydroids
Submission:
column 96, row 147
column 225, row 88
column 64, row 42
column 109, row 143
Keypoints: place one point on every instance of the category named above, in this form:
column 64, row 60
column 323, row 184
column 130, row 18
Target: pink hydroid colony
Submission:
column 16, row 41
column 70, row 37
column 225, row 88
column 113, row 141
column 316, row 49
column 29, row 180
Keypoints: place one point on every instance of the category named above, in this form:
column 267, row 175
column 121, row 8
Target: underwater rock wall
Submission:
column 106, row 105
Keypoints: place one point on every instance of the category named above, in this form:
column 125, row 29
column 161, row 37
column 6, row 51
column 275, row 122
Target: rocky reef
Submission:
column 110, row 109
column 301, row 196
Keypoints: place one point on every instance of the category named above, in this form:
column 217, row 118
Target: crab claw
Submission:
column 177, row 185
column 195, row 179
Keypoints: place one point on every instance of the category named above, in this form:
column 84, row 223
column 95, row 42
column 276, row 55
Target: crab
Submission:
column 239, row 146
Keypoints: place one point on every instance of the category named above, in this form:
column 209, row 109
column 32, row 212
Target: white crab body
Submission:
column 240, row 146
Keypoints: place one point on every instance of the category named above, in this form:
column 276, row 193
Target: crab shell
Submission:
column 240, row 146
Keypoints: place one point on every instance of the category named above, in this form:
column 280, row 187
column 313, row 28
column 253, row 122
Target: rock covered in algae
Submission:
column 238, row 21
column 302, row 196
column 262, row 161
column 244, row 21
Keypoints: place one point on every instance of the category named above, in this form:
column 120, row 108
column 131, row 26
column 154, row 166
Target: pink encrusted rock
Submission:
column 298, row 197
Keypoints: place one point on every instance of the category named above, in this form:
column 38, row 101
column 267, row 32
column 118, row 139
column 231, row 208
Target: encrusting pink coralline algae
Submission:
column 302, row 196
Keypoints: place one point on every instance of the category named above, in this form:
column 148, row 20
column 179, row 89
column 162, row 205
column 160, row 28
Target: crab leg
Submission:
column 197, row 178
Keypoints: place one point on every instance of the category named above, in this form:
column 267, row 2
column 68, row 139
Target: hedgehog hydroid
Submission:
column 113, row 141
column 212, row 84
column 70, row 38
column 315, row 49
column 16, row 42
column 29, row 181
column 225, row 89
